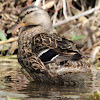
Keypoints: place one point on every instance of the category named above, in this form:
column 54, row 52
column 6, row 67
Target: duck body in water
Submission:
column 46, row 56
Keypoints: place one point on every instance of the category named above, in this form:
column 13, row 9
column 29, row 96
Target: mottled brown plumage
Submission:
column 46, row 56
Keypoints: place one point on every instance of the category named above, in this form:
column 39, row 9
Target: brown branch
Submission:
column 68, row 7
column 8, row 41
column 56, row 12
column 98, row 43
column 49, row 5
column 77, row 16
column 64, row 9
column 37, row 2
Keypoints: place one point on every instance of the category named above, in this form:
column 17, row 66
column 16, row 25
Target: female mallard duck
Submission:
column 45, row 56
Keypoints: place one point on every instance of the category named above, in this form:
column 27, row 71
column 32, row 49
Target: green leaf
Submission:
column 2, row 36
column 9, row 98
column 77, row 38
column 57, row 28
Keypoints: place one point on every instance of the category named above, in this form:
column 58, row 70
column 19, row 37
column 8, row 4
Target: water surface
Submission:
column 14, row 86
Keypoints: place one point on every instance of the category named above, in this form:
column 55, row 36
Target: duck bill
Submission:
column 15, row 27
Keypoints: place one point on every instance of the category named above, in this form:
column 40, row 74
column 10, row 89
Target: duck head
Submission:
column 33, row 15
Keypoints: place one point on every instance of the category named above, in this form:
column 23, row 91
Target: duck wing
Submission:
column 50, row 46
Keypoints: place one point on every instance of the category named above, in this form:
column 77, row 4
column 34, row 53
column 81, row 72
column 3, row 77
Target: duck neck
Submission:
column 43, row 27
column 47, row 26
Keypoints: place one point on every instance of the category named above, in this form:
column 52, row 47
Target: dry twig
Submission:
column 77, row 16
column 37, row 3
column 64, row 9
column 48, row 5
column 56, row 12
column 9, row 40
column 68, row 7
column 96, row 44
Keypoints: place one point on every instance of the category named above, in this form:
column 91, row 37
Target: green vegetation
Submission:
column 2, row 36
column 77, row 38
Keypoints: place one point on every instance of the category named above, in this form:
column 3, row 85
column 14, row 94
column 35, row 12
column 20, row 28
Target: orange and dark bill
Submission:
column 15, row 27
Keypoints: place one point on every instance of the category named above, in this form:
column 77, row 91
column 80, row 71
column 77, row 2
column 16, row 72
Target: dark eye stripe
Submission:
column 21, row 17
column 28, row 12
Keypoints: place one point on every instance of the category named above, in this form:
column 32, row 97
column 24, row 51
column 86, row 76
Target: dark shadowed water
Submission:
column 14, row 86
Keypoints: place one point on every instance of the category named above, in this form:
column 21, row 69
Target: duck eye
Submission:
column 31, row 11
column 28, row 12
